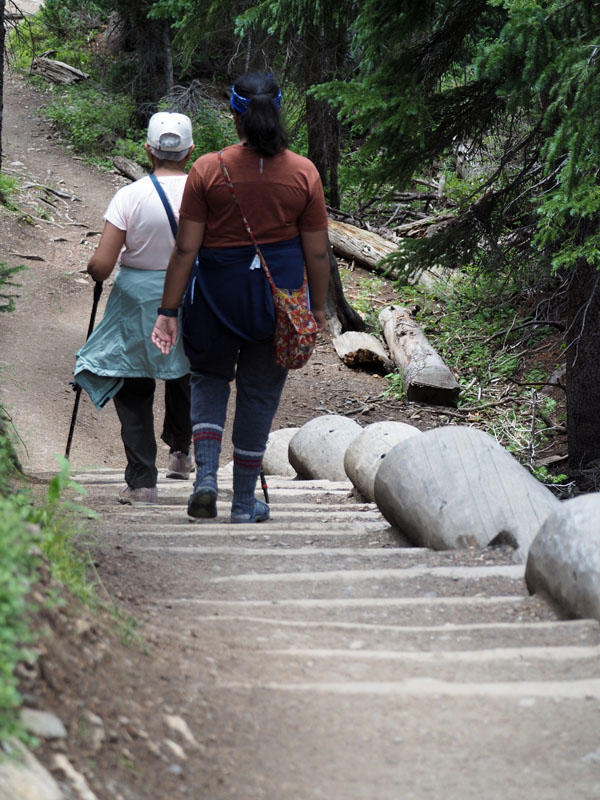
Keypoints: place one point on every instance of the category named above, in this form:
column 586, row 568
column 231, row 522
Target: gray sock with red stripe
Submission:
column 246, row 469
column 207, row 448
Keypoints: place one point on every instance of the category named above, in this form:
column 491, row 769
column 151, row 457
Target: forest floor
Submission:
column 65, row 199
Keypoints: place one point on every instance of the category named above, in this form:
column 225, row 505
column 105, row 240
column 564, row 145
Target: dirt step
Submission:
column 283, row 662
column 435, row 613
column 321, row 641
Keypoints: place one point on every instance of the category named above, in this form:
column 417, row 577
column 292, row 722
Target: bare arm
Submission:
column 105, row 256
column 315, row 245
column 189, row 239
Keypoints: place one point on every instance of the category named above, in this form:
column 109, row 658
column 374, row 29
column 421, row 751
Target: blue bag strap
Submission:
column 166, row 204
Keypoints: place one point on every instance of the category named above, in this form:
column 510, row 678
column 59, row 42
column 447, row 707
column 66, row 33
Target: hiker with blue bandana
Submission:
column 228, row 317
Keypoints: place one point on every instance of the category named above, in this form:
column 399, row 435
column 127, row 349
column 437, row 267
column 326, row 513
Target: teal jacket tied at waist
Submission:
column 120, row 346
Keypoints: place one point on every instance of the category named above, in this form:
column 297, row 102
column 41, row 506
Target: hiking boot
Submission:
column 259, row 513
column 180, row 465
column 142, row 496
column 202, row 503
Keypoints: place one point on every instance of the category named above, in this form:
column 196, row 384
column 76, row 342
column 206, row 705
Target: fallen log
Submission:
column 426, row 377
column 57, row 71
column 129, row 168
column 364, row 247
column 363, row 350
column 368, row 249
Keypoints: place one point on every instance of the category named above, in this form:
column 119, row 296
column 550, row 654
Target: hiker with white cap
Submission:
column 118, row 361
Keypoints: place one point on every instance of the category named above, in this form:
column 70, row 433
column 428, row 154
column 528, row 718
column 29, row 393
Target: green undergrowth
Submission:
column 34, row 530
column 96, row 119
column 482, row 325
column 40, row 530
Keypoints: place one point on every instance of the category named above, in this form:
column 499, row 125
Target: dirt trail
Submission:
column 39, row 339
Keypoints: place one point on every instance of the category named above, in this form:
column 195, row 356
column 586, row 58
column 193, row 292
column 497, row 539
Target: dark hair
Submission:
column 261, row 123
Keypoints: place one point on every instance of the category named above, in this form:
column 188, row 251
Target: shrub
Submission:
column 93, row 120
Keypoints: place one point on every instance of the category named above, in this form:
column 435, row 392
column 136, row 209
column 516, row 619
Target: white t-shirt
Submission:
column 138, row 210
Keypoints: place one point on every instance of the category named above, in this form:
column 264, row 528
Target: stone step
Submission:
column 222, row 581
column 409, row 740
column 240, row 630
column 280, row 661
column 416, row 663
column 431, row 613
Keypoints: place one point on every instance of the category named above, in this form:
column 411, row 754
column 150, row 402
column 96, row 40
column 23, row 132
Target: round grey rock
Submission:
column 456, row 487
column 317, row 450
column 365, row 453
column 564, row 559
column 275, row 459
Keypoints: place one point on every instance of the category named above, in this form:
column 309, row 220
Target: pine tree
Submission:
column 439, row 72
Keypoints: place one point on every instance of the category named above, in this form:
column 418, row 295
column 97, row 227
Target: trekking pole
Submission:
column 74, row 384
column 263, row 483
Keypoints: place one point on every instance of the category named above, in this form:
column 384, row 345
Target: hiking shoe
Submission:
column 142, row 496
column 180, row 465
column 260, row 513
column 203, row 503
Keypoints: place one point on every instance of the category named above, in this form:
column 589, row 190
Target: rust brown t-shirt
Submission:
column 282, row 196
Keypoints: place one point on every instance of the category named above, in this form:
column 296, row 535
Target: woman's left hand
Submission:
column 164, row 334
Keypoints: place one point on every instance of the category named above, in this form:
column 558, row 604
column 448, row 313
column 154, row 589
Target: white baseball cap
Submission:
column 169, row 132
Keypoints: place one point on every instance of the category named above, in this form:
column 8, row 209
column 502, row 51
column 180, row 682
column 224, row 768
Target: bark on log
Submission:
column 363, row 350
column 57, row 71
column 129, row 168
column 364, row 247
column 367, row 249
column 426, row 377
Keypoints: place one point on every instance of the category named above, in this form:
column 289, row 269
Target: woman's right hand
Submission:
column 319, row 319
column 164, row 334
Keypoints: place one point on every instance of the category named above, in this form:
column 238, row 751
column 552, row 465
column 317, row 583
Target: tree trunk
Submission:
column 323, row 129
column 150, row 40
column 2, row 35
column 340, row 314
column 583, row 366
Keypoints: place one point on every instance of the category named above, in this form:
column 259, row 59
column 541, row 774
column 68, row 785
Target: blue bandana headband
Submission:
column 240, row 104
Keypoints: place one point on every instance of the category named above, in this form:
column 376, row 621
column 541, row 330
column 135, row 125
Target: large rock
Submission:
column 564, row 559
column 365, row 453
column 26, row 778
column 318, row 449
column 275, row 459
column 456, row 487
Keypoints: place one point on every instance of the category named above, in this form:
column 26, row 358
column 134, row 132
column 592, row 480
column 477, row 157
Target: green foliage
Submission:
column 57, row 518
column 395, row 387
column 363, row 300
column 70, row 19
column 295, row 17
column 18, row 564
column 29, row 530
column 198, row 25
column 63, row 33
column 212, row 129
column 544, row 475
column 7, row 187
column 92, row 119
column 7, row 301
